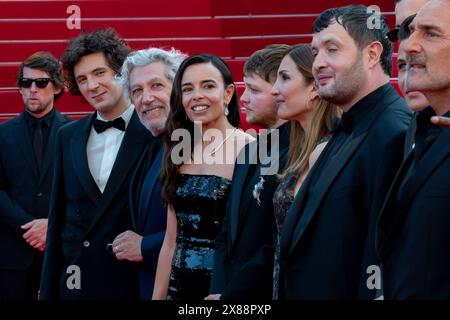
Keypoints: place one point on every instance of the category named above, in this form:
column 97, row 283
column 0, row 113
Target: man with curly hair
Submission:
column 95, row 158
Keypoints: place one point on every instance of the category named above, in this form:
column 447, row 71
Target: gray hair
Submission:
column 171, row 58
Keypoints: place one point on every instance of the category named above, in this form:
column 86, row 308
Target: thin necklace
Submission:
column 214, row 150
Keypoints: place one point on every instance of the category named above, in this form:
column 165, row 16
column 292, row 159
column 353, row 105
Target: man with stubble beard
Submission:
column 26, row 170
column 327, row 241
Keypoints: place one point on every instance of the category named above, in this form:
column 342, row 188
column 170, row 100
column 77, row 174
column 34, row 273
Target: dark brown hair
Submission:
column 354, row 19
column 178, row 119
column 44, row 61
column 265, row 62
column 106, row 41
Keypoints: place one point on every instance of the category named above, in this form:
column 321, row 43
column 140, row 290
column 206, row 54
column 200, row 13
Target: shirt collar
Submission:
column 363, row 107
column 47, row 119
column 423, row 122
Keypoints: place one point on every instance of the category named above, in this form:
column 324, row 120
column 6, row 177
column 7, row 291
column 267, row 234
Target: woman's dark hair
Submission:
column 178, row 119
column 106, row 41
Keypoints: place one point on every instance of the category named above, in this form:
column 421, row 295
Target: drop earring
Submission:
column 226, row 112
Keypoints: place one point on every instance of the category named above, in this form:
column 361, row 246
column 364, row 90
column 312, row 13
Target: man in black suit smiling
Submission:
column 327, row 241
column 95, row 158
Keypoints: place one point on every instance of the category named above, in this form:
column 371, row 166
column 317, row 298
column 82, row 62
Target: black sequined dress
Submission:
column 199, row 204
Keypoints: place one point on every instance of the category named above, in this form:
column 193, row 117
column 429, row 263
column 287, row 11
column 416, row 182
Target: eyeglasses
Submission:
column 401, row 32
column 40, row 82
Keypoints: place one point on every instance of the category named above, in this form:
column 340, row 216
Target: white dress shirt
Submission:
column 102, row 149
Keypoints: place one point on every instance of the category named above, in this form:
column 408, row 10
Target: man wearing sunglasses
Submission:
column 94, row 163
column 26, row 170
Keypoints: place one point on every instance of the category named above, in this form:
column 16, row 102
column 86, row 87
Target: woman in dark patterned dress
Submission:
column 312, row 122
column 196, row 174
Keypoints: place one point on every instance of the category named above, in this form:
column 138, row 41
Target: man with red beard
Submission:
column 327, row 241
column 26, row 171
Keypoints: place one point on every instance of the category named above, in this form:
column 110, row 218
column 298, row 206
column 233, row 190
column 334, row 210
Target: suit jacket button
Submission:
column 86, row 243
column 39, row 194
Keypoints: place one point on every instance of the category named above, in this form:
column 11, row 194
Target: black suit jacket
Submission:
column 151, row 221
column 327, row 240
column 243, row 260
column 413, row 238
column 82, row 220
column 24, row 191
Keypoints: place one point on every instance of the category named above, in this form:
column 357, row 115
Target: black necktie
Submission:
column 38, row 142
column 101, row 126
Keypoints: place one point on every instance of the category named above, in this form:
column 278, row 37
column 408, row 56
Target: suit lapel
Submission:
column 237, row 191
column 410, row 136
column 437, row 153
column 21, row 133
column 136, row 182
column 330, row 172
column 80, row 161
column 49, row 153
column 387, row 213
column 154, row 176
column 136, row 136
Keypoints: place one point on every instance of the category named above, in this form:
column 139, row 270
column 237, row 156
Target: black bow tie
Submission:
column 101, row 126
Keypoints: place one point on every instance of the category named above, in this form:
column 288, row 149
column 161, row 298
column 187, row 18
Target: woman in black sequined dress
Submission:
column 196, row 183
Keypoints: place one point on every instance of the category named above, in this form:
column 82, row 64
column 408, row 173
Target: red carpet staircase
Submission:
column 232, row 29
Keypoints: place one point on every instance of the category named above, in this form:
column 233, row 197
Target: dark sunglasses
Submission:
column 392, row 35
column 402, row 32
column 40, row 82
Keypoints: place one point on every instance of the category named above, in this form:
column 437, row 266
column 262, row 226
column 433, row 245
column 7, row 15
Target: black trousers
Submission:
column 21, row 284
